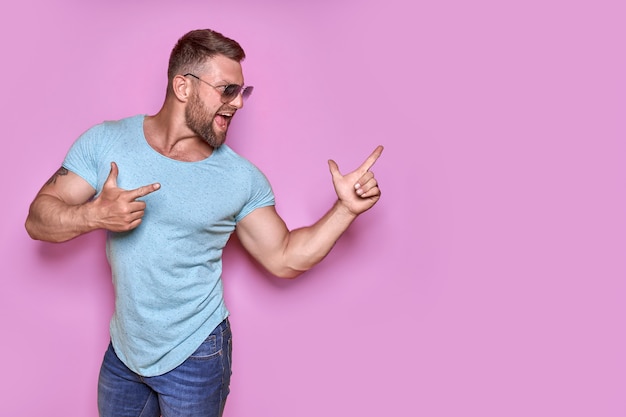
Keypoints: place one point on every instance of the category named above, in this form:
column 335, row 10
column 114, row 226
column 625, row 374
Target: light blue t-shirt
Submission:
column 167, row 272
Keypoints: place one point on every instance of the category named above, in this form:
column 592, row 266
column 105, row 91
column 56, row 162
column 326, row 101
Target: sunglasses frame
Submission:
column 227, row 96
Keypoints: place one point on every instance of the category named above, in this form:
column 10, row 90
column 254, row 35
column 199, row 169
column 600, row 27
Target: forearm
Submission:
column 52, row 220
column 307, row 246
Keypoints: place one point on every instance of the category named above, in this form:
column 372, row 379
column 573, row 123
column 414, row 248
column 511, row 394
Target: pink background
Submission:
column 488, row 281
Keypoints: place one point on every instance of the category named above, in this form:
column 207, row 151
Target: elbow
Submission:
column 289, row 274
column 286, row 272
column 288, row 267
column 295, row 269
column 31, row 226
column 28, row 225
column 36, row 234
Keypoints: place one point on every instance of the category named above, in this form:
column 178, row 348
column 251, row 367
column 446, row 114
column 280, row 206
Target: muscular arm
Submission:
column 64, row 208
column 287, row 253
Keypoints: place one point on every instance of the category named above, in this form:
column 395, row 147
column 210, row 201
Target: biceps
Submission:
column 68, row 187
column 263, row 234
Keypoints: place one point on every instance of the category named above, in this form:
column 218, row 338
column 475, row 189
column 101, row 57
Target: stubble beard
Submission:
column 200, row 122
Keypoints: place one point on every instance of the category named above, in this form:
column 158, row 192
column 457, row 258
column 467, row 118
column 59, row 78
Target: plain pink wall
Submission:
column 490, row 279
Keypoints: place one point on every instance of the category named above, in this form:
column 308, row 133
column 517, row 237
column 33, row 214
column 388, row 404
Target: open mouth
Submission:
column 222, row 119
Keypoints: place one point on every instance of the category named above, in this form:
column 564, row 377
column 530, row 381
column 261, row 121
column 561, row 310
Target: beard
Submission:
column 200, row 121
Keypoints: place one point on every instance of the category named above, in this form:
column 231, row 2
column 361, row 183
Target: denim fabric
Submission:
column 196, row 388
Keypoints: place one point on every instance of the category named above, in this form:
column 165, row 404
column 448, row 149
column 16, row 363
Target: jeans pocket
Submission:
column 211, row 347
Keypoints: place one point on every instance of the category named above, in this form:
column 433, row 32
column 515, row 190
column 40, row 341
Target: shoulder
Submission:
column 110, row 130
column 241, row 169
column 121, row 125
column 233, row 159
column 112, row 126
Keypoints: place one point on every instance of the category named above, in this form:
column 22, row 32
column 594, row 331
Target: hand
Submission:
column 116, row 209
column 358, row 191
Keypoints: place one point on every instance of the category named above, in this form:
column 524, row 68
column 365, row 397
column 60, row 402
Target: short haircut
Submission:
column 194, row 48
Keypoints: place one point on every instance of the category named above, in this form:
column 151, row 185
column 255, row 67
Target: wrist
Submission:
column 88, row 214
column 344, row 210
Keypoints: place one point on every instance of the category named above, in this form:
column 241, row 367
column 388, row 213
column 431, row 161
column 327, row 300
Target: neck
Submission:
column 167, row 133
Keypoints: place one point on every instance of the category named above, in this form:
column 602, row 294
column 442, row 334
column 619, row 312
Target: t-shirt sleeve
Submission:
column 81, row 158
column 261, row 194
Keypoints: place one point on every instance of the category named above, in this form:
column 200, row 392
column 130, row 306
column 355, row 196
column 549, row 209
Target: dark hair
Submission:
column 195, row 47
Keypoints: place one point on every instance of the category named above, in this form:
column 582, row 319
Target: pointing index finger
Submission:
column 145, row 190
column 371, row 159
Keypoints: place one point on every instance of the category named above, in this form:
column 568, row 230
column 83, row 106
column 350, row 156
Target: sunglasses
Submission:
column 229, row 92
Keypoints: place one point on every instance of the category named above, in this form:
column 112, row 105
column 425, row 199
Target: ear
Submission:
column 181, row 87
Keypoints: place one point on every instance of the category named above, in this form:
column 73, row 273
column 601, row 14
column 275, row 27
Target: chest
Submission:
column 192, row 197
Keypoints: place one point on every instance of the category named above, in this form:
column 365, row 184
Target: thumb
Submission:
column 334, row 168
column 111, row 180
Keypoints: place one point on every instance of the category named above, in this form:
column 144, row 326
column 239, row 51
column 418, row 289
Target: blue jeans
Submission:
column 196, row 388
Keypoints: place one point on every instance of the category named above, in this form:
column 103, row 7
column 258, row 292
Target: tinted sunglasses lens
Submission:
column 233, row 90
column 246, row 92
column 230, row 92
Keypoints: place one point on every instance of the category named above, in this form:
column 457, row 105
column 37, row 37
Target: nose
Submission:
column 237, row 102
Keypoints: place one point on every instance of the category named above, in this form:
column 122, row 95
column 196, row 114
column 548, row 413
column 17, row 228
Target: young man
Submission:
column 170, row 193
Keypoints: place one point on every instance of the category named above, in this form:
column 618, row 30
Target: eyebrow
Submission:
column 227, row 82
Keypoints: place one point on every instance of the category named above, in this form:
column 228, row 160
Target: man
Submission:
column 170, row 337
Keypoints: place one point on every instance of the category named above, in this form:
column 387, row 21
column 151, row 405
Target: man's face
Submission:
column 201, row 121
column 205, row 114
